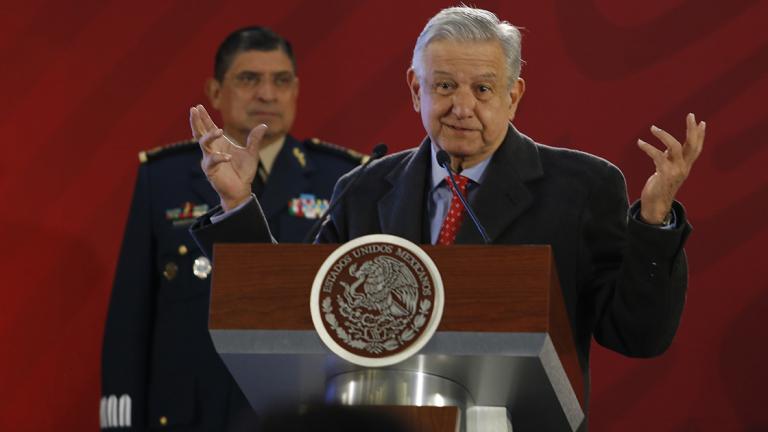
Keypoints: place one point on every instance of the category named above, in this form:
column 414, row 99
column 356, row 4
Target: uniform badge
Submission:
column 186, row 214
column 299, row 155
column 307, row 206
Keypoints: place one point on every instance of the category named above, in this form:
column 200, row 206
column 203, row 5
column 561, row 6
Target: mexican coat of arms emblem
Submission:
column 377, row 300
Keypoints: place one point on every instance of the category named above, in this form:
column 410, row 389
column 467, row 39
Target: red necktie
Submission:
column 455, row 215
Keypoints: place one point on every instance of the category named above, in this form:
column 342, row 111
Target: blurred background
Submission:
column 88, row 84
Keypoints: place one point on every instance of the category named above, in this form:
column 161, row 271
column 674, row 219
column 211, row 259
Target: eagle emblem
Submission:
column 378, row 299
column 388, row 287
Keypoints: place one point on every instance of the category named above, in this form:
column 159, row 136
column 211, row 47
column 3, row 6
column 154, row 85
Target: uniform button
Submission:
column 183, row 250
column 170, row 270
column 163, row 421
column 201, row 267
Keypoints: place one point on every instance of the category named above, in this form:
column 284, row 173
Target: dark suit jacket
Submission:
column 157, row 349
column 623, row 281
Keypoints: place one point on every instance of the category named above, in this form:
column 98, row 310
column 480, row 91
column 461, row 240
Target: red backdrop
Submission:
column 88, row 85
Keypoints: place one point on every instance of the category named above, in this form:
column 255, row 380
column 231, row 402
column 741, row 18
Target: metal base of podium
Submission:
column 410, row 388
column 397, row 387
column 518, row 372
column 488, row 419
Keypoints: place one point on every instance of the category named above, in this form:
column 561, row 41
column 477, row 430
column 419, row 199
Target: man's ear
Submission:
column 415, row 87
column 515, row 95
column 213, row 91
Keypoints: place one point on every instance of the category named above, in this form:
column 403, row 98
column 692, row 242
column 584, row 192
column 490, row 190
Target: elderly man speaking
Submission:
column 622, row 268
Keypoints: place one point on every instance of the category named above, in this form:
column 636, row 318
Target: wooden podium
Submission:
column 504, row 339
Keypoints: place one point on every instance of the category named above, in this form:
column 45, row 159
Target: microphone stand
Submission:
column 445, row 161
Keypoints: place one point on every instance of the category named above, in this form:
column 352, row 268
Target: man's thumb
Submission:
column 253, row 142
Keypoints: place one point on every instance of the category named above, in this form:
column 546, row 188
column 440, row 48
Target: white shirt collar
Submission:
column 268, row 154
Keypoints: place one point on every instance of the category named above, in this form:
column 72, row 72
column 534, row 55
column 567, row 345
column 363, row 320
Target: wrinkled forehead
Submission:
column 482, row 58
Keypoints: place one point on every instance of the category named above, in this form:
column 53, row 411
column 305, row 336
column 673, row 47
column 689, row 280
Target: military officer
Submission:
column 159, row 367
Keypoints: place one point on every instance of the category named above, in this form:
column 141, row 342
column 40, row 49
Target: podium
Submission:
column 504, row 340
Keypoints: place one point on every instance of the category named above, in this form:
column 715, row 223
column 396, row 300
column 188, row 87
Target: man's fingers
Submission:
column 253, row 142
column 690, row 121
column 657, row 155
column 702, row 126
column 694, row 139
column 207, row 140
column 212, row 159
column 674, row 146
column 691, row 131
column 698, row 145
column 198, row 130
column 219, row 157
column 206, row 118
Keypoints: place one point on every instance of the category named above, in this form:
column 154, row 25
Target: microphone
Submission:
column 379, row 150
column 445, row 161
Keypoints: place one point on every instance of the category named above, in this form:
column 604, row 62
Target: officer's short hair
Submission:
column 247, row 39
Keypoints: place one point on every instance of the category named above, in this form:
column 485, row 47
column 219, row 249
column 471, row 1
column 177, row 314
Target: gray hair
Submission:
column 468, row 24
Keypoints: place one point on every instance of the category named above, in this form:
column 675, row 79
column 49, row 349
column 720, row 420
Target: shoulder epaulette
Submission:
column 318, row 144
column 166, row 150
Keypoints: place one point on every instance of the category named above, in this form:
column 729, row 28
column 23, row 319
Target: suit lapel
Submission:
column 402, row 209
column 287, row 179
column 503, row 195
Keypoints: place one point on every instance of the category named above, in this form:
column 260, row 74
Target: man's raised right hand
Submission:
column 229, row 167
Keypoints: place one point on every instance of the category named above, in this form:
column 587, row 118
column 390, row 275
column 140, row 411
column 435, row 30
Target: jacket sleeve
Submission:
column 246, row 224
column 127, row 335
column 635, row 274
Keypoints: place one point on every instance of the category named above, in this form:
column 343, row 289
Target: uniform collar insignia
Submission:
column 300, row 156
column 307, row 206
column 186, row 214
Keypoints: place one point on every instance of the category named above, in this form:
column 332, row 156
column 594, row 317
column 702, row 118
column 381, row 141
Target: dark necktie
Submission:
column 259, row 181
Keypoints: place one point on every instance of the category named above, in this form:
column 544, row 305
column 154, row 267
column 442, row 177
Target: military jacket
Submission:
column 159, row 367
